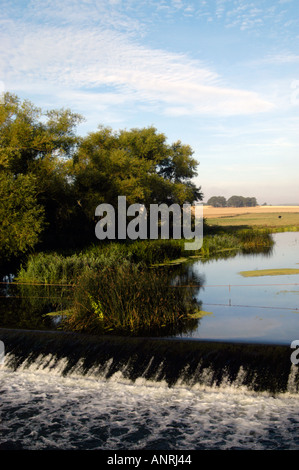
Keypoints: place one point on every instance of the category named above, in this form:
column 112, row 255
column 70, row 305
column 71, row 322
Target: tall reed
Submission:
column 129, row 299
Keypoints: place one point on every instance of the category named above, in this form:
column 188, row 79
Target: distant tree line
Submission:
column 233, row 201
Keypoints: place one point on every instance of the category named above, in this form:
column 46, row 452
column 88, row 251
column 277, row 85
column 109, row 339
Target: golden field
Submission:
column 215, row 212
column 262, row 216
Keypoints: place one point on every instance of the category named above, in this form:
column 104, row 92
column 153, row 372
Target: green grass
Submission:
column 55, row 267
column 269, row 272
column 52, row 267
column 129, row 299
column 49, row 268
column 268, row 220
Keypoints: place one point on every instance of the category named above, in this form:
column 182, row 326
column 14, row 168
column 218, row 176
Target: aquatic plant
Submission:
column 129, row 299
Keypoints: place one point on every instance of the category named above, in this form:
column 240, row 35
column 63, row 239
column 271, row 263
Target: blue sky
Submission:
column 220, row 75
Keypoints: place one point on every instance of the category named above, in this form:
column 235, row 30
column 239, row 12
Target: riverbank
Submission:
column 55, row 267
column 129, row 288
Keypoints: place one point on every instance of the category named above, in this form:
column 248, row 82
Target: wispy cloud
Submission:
column 279, row 59
column 127, row 62
column 85, row 59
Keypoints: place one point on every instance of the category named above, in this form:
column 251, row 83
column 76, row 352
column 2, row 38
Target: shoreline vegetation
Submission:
column 133, row 288
column 127, row 288
column 54, row 267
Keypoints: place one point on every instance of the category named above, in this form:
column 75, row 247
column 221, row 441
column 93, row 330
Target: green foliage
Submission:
column 240, row 201
column 138, row 164
column 55, row 268
column 225, row 243
column 28, row 136
column 233, row 201
column 21, row 217
column 155, row 251
column 97, row 308
column 58, row 268
column 130, row 300
column 36, row 145
column 74, row 175
column 217, row 201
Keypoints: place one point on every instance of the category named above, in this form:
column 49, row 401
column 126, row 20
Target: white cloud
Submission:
column 98, row 57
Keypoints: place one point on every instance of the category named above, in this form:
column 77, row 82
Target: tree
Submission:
column 217, row 201
column 21, row 217
column 240, row 201
column 39, row 144
column 65, row 177
column 138, row 164
column 28, row 137
column 250, row 202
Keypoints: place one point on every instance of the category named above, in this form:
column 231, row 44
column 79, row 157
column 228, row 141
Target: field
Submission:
column 263, row 216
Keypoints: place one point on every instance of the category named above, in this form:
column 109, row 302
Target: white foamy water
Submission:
column 41, row 409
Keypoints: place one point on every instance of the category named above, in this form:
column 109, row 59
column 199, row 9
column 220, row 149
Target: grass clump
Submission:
column 55, row 267
column 49, row 268
column 129, row 299
column 225, row 243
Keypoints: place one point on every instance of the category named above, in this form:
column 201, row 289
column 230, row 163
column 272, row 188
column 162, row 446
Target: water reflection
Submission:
column 251, row 309
column 30, row 306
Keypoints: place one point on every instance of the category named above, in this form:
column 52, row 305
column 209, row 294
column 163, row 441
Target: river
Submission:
column 255, row 309
column 54, row 398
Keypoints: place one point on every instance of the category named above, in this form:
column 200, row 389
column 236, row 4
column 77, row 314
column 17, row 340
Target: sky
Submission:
column 221, row 76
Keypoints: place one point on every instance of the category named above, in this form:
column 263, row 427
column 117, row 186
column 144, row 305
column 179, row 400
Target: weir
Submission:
column 258, row 367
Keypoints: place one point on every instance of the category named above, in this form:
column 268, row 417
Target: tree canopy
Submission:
column 240, row 201
column 21, row 217
column 217, row 201
column 52, row 179
column 34, row 147
column 233, row 201
column 138, row 164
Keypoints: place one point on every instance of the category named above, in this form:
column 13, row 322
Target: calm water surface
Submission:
column 258, row 309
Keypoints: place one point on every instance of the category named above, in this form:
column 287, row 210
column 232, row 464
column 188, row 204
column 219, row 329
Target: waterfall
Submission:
column 258, row 367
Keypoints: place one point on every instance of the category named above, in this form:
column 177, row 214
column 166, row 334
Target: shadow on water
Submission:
column 30, row 306
column 41, row 307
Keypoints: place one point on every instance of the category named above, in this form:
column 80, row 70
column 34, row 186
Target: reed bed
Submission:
column 129, row 299
column 115, row 289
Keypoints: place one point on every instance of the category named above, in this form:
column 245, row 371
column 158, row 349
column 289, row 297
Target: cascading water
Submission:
column 67, row 391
